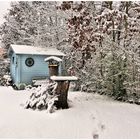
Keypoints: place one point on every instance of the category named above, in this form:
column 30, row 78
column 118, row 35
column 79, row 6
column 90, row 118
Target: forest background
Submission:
column 101, row 40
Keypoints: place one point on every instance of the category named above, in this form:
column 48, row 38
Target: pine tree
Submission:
column 35, row 23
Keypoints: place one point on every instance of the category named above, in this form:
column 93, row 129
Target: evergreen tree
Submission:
column 33, row 23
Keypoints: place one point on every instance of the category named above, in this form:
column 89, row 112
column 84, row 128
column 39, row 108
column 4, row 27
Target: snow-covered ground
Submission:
column 89, row 115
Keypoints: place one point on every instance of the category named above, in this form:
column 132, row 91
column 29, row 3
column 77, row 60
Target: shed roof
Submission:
column 24, row 49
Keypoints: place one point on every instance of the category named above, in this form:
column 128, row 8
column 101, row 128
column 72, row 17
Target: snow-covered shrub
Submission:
column 28, row 87
column 5, row 79
column 43, row 97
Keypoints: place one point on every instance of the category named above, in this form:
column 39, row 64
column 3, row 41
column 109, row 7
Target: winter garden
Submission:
column 98, row 92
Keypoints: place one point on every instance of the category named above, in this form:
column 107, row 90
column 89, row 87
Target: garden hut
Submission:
column 29, row 62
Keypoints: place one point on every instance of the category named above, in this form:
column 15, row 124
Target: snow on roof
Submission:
column 53, row 58
column 63, row 78
column 24, row 49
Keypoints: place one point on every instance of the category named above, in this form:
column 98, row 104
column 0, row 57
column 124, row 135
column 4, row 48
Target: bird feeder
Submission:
column 53, row 65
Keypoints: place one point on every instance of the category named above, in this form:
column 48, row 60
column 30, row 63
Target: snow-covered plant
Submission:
column 5, row 79
column 43, row 97
column 115, row 25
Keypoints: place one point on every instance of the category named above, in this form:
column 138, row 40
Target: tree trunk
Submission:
column 62, row 92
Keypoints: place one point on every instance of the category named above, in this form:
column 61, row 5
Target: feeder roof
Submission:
column 53, row 58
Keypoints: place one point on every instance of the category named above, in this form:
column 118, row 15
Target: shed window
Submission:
column 29, row 62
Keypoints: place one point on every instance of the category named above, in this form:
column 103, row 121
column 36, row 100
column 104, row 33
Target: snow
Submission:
column 39, row 82
column 88, row 115
column 59, row 78
column 53, row 58
column 24, row 49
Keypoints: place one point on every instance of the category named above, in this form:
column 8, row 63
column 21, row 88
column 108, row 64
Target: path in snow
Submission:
column 89, row 116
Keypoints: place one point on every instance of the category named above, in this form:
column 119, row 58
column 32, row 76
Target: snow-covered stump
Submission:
column 62, row 88
column 62, row 93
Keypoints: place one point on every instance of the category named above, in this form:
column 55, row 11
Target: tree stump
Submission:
column 62, row 88
column 62, row 92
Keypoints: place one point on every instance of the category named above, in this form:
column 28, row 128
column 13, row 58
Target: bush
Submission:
column 43, row 97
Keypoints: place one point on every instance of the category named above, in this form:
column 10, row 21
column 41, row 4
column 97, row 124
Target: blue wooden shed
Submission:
column 29, row 62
